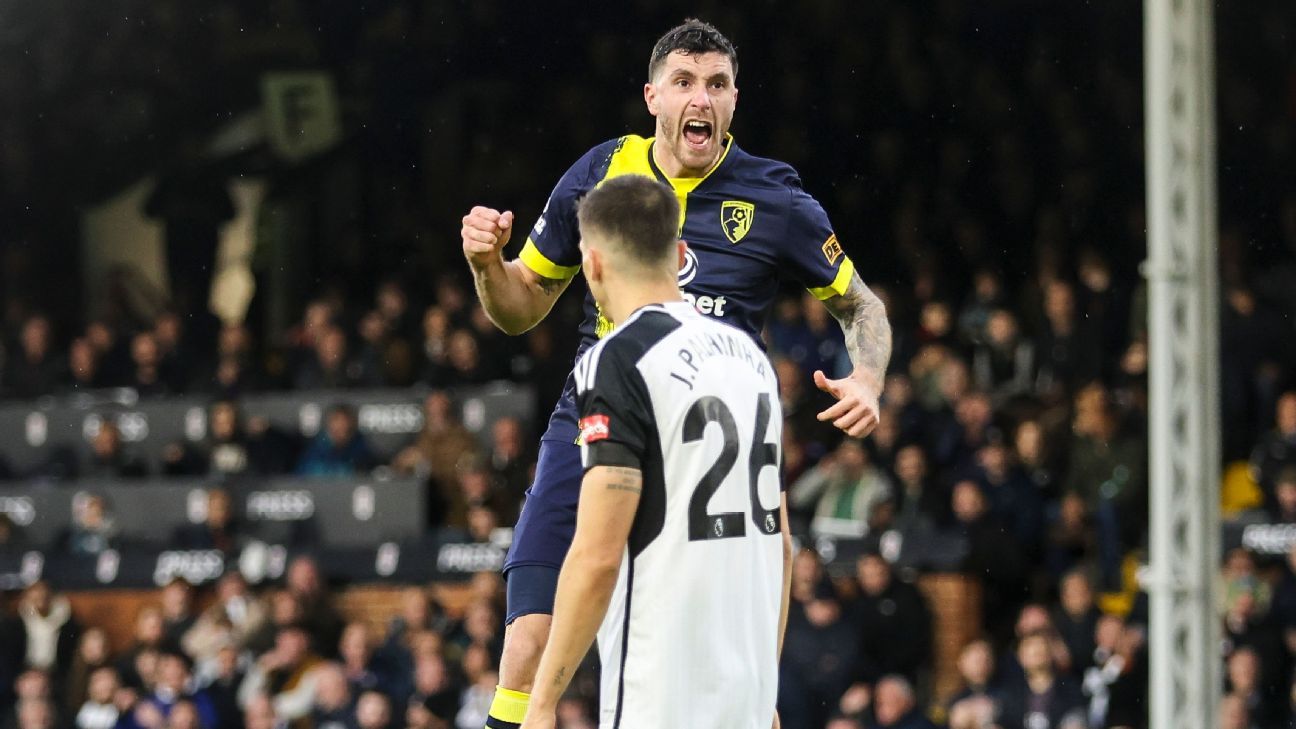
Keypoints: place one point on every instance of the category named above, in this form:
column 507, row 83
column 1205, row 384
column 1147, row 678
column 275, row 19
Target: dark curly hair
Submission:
column 691, row 36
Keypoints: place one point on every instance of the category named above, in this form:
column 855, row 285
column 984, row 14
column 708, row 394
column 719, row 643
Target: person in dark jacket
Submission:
column 1041, row 699
column 340, row 450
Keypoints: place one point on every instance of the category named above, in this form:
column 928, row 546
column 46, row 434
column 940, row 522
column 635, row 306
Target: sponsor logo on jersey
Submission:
column 736, row 218
column 689, row 270
column 832, row 250
column 594, row 428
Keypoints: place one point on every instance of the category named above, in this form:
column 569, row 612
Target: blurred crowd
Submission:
column 982, row 163
column 283, row 657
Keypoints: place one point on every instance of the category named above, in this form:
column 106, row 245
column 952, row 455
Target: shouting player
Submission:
column 748, row 224
column 680, row 433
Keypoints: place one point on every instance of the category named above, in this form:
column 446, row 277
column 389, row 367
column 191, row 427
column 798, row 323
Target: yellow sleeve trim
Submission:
column 839, row 284
column 533, row 259
column 509, row 706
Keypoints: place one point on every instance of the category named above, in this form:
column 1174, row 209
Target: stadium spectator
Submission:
column 1014, row 500
column 175, row 350
column 234, row 617
column 1251, row 364
column 819, row 650
column 1076, row 616
column 218, row 529
column 98, row 709
column 259, row 713
column 895, row 706
column 439, row 446
column 288, row 673
column 418, row 614
column 110, row 351
column 220, row 677
column 169, row 693
column 91, row 655
column 109, row 458
column 330, row 367
column 177, row 610
column 147, row 375
column 1031, row 451
column 50, row 630
column 463, row 354
column 510, row 458
column 1233, row 713
column 1067, row 356
column 923, row 503
column 333, row 699
column 976, row 672
column 373, row 710
column 84, row 372
column 1003, row 362
column 363, row 668
column 234, row 371
column 1108, row 467
column 435, row 347
column 1277, row 448
column 339, row 449
column 974, row 712
column 307, row 587
column 892, row 621
column 435, row 702
column 138, row 663
column 32, row 686
column 1263, row 697
column 35, row 369
column 993, row 556
column 842, row 486
column 1116, row 682
column 1283, row 607
column 1041, row 697
column 93, row 529
column 36, row 714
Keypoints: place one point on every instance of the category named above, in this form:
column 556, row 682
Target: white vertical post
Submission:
column 1183, row 332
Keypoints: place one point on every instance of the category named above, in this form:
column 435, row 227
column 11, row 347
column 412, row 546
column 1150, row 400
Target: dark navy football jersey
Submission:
column 747, row 222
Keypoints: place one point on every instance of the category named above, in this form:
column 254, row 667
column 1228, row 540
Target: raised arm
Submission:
column 608, row 500
column 868, row 342
column 515, row 297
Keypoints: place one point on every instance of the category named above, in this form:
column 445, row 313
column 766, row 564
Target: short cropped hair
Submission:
column 691, row 36
column 638, row 212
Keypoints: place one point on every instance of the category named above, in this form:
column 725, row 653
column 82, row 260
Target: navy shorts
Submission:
column 545, row 529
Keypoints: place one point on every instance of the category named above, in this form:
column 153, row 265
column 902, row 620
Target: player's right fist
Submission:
column 485, row 233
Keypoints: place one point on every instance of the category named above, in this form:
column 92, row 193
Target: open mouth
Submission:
column 697, row 133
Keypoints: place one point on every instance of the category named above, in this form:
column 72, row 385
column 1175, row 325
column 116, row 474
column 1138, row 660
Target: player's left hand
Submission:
column 856, row 410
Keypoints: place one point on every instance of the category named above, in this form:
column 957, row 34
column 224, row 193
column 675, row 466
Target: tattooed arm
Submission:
column 514, row 297
column 608, row 500
column 868, row 341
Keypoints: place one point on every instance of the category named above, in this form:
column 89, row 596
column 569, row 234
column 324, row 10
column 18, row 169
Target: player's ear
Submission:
column 593, row 265
column 681, row 249
column 650, row 98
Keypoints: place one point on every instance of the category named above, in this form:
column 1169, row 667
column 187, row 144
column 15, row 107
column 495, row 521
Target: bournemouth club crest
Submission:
column 736, row 219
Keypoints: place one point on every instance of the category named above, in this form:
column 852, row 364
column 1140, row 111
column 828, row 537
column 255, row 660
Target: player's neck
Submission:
column 674, row 169
column 634, row 296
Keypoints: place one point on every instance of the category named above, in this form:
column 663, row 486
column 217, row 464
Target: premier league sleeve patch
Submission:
column 594, row 428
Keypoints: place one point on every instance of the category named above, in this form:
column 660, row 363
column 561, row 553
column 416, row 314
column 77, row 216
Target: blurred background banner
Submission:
column 301, row 113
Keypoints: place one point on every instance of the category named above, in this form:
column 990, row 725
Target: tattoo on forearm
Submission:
column 864, row 322
column 560, row 676
column 625, row 479
column 551, row 286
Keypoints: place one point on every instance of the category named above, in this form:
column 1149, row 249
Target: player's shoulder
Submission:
column 625, row 346
column 596, row 162
column 771, row 171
